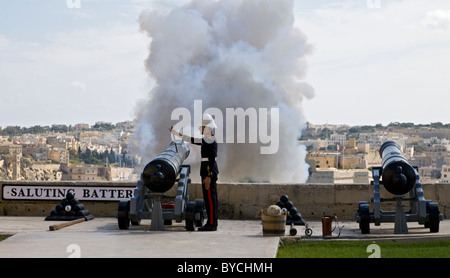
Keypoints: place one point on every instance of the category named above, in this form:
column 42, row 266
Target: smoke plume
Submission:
column 228, row 54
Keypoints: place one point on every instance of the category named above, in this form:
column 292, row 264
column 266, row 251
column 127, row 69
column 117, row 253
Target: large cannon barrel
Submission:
column 398, row 175
column 160, row 174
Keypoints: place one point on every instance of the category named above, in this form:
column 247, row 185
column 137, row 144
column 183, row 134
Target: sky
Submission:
column 82, row 61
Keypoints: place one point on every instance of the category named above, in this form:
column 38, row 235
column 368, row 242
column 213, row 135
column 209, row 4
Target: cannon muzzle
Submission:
column 160, row 174
column 398, row 175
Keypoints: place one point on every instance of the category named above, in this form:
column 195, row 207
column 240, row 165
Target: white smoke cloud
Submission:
column 79, row 84
column 439, row 19
column 229, row 54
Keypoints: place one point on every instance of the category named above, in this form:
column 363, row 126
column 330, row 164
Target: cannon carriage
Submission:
column 399, row 178
column 150, row 199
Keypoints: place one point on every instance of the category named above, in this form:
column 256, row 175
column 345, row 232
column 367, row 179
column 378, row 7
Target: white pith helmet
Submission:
column 208, row 121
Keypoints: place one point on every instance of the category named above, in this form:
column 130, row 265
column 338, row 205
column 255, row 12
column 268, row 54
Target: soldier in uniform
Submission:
column 208, row 170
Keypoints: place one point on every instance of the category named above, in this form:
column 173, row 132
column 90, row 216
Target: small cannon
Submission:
column 157, row 178
column 398, row 178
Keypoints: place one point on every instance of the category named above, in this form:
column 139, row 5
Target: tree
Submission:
column 112, row 156
column 437, row 125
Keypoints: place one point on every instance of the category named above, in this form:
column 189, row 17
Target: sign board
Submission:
column 83, row 193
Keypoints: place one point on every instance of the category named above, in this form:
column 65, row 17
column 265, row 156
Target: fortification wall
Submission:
column 236, row 200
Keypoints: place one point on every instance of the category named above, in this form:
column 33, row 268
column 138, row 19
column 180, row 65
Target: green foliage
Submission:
column 104, row 126
column 18, row 130
column 358, row 249
column 92, row 157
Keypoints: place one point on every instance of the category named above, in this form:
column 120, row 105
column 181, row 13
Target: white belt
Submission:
column 206, row 159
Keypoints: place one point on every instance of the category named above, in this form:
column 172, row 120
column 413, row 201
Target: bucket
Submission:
column 326, row 225
column 273, row 225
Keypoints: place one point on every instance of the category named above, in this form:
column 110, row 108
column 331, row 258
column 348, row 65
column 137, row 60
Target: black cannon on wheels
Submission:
column 157, row 178
column 398, row 177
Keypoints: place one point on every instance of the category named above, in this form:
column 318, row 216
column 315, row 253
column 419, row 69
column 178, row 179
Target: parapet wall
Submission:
column 236, row 200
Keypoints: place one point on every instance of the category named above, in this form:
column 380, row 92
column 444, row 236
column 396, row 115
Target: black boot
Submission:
column 207, row 228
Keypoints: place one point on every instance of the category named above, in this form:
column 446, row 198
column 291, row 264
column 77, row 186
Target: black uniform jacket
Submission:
column 208, row 150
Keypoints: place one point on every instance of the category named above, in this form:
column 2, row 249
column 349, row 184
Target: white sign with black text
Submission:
column 44, row 193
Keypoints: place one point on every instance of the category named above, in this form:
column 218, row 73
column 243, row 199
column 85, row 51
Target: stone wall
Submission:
column 244, row 200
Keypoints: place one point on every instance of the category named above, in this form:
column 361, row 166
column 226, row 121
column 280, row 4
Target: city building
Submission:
column 59, row 155
column 12, row 155
column 445, row 174
column 338, row 139
column 85, row 172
